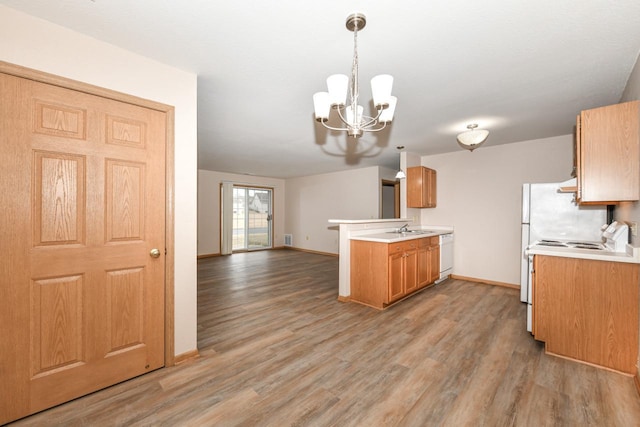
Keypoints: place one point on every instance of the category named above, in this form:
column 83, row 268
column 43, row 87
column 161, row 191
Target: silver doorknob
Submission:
column 155, row 253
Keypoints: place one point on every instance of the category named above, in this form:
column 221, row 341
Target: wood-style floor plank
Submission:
column 278, row 349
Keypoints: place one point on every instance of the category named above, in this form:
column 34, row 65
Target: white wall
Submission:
column 41, row 45
column 479, row 194
column 313, row 200
column 209, row 207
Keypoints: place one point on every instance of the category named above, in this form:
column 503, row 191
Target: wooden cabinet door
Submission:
column 431, row 188
column 434, row 262
column 410, row 271
column 424, row 264
column 540, row 302
column 396, row 276
column 428, row 261
column 83, row 199
column 421, row 187
column 577, row 162
column 608, row 146
column 587, row 310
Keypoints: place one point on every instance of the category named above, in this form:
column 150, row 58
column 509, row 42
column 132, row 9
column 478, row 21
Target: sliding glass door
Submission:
column 252, row 218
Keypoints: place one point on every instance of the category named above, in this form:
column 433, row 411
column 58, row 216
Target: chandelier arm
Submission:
column 342, row 118
column 384, row 125
column 332, row 128
column 373, row 120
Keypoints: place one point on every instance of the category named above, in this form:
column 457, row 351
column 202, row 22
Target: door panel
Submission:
column 252, row 218
column 124, row 200
column 59, row 198
column 56, row 315
column 259, row 216
column 83, row 194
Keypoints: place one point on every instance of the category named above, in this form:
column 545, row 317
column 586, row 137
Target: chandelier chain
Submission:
column 354, row 75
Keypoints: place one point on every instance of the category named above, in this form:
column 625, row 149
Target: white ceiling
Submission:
column 520, row 69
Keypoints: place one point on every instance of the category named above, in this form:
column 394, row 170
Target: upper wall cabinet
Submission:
column 421, row 187
column 608, row 154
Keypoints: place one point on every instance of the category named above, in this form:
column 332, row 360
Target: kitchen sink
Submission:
column 410, row 232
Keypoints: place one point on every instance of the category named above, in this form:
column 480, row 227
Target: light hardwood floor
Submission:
column 278, row 349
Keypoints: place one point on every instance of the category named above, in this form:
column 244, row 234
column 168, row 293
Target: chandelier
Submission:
column 351, row 114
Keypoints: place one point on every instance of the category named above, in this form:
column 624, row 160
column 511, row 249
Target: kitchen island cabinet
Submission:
column 608, row 154
column 383, row 273
column 587, row 310
column 421, row 187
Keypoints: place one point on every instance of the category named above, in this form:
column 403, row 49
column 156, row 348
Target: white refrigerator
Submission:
column 549, row 214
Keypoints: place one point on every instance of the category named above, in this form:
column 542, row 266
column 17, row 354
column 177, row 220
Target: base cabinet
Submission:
column 382, row 273
column 428, row 261
column 587, row 310
column 402, row 274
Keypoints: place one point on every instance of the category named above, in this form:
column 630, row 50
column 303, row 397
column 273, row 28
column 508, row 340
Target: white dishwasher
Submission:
column 446, row 256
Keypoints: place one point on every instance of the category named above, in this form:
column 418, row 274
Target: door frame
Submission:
column 51, row 79
column 270, row 222
column 396, row 195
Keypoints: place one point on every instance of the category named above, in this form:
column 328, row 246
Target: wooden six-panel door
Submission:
column 83, row 204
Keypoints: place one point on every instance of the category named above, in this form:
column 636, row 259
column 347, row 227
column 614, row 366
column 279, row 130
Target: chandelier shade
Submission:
column 473, row 138
column 337, row 84
column 381, row 89
column 350, row 113
column 387, row 113
column 322, row 105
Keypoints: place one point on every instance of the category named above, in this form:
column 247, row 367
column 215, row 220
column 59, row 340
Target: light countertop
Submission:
column 391, row 237
column 368, row 221
column 628, row 256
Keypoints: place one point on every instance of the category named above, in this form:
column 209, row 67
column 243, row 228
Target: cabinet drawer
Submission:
column 407, row 245
column 429, row 241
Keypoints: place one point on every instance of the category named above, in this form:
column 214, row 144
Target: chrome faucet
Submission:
column 403, row 229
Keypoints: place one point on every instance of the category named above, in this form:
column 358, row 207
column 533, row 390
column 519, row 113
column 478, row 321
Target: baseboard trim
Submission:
column 186, row 357
column 208, row 255
column 584, row 362
column 311, row 251
column 486, row 282
column 203, row 256
column 344, row 299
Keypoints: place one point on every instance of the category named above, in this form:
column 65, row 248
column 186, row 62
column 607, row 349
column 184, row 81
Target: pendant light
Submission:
column 400, row 174
column 350, row 113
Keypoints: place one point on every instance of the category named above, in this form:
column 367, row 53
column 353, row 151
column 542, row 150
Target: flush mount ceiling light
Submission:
column 473, row 138
column 351, row 114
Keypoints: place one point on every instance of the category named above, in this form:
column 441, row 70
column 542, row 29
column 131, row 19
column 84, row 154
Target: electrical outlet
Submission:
column 634, row 229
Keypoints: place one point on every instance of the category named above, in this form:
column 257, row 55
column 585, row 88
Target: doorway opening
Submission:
column 252, row 218
column 390, row 200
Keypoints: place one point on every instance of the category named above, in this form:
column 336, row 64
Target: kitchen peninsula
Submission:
column 383, row 232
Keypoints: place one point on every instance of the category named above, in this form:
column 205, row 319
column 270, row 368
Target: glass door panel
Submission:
column 252, row 218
